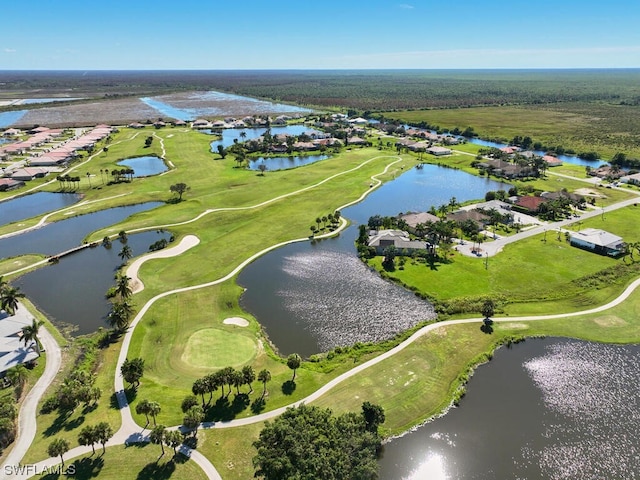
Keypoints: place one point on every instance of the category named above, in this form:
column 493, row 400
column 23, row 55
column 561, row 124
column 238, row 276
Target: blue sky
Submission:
column 325, row 34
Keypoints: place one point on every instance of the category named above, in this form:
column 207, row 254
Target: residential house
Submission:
column 438, row 151
column 529, row 203
column 383, row 239
column 412, row 220
column 29, row 173
column 633, row 179
column 598, row 241
column 13, row 351
column 9, row 184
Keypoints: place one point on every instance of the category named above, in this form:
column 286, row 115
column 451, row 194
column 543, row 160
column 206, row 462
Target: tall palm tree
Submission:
column 30, row 332
column 126, row 253
column 154, row 410
column 143, row 408
column 122, row 286
column 9, row 298
column 264, row 376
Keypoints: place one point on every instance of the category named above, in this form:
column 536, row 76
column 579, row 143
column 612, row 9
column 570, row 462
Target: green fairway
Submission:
column 215, row 348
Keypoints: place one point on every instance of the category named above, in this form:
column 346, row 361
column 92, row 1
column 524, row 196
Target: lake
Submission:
column 63, row 235
column 229, row 135
column 313, row 296
column 284, row 163
column 145, row 166
column 72, row 291
column 28, row 206
column 553, row 409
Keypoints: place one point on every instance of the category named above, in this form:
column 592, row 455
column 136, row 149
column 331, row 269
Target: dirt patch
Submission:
column 516, row 326
column 587, row 192
column 609, row 321
column 237, row 321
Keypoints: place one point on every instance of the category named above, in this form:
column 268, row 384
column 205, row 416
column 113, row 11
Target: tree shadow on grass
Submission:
column 258, row 405
column 223, row 410
column 62, row 422
column 83, row 469
column 157, row 471
column 289, row 387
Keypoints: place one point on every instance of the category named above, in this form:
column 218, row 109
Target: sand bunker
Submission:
column 240, row 322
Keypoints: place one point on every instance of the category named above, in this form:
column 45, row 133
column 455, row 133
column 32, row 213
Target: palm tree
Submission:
column 9, row 298
column 192, row 418
column 249, row 376
column 173, row 439
column 89, row 178
column 293, row 362
column 243, row 135
column 154, row 410
column 264, row 376
column 144, row 408
column 88, row 436
column 126, row 253
column 104, row 432
column 122, row 286
column 157, row 436
column 17, row 375
column 58, row 447
column 30, row 333
column 120, row 315
column 199, row 387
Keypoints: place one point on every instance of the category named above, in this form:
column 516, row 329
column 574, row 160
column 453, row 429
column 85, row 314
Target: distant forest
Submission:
column 362, row 90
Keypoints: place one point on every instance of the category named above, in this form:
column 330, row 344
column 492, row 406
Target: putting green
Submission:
column 213, row 348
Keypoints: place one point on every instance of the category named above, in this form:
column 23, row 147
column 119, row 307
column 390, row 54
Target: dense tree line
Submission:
column 309, row 442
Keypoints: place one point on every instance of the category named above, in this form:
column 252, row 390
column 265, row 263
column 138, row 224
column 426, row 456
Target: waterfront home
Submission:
column 529, row 203
column 598, row 241
column 412, row 220
column 383, row 239
column 9, row 184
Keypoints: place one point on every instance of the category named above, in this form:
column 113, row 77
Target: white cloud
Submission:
column 9, row 50
column 406, row 6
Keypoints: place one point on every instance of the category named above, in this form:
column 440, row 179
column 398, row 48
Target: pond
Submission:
column 231, row 134
column 34, row 204
column 553, row 409
column 145, row 166
column 60, row 236
column 72, row 291
column 313, row 296
column 284, row 163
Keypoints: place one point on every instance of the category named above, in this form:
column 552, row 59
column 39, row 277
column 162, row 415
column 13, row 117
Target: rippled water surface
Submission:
column 546, row 409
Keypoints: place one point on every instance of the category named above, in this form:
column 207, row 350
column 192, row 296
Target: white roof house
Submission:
column 437, row 151
column 13, row 351
column 599, row 241
column 633, row 179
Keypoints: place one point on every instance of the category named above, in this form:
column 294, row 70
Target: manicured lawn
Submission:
column 134, row 462
column 214, row 348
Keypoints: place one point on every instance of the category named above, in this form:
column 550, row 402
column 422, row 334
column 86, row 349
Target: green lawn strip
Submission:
column 15, row 263
column 417, row 382
column 55, row 425
column 132, row 462
column 528, row 272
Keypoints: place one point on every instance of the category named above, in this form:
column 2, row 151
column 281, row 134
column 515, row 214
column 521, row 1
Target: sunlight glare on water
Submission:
column 592, row 391
column 373, row 310
column 433, row 468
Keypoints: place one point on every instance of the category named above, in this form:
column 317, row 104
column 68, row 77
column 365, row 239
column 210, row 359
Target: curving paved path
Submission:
column 131, row 432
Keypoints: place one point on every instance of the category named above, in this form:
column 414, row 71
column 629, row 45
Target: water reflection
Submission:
column 433, row 468
column 144, row 166
column 34, row 204
column 554, row 408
